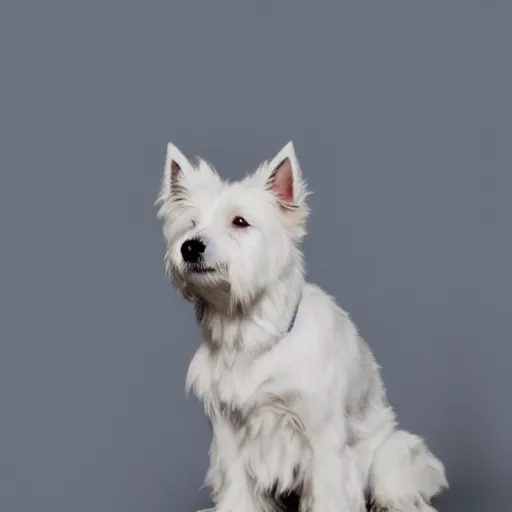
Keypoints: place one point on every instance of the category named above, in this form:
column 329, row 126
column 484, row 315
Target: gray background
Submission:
column 401, row 115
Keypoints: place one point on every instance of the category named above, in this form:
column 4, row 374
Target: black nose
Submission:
column 192, row 249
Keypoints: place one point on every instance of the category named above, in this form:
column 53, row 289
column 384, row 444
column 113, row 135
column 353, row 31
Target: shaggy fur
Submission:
column 293, row 392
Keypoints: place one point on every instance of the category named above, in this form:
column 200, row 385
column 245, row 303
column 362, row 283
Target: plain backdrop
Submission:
column 401, row 116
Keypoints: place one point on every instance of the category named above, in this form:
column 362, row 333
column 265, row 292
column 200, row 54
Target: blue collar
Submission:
column 294, row 317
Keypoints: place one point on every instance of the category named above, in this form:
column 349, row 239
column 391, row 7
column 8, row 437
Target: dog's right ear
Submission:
column 177, row 166
column 285, row 179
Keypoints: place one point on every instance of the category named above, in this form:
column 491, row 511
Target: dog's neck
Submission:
column 257, row 327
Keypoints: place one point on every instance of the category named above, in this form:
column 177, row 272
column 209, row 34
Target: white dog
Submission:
column 293, row 392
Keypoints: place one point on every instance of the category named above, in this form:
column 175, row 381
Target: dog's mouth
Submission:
column 201, row 270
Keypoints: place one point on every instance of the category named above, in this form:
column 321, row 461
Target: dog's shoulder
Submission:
column 325, row 307
column 330, row 324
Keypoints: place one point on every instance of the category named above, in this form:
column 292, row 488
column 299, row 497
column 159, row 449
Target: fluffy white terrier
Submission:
column 292, row 391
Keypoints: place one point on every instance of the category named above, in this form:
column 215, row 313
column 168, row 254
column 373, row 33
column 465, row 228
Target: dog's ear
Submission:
column 177, row 166
column 285, row 178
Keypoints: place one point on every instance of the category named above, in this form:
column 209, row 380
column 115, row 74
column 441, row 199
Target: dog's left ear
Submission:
column 285, row 178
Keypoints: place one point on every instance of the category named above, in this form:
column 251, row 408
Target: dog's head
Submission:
column 227, row 242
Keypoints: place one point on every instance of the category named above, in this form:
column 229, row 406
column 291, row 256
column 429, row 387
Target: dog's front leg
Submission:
column 335, row 482
column 275, row 447
column 227, row 478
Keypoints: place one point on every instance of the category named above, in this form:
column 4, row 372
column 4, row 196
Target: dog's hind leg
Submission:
column 404, row 475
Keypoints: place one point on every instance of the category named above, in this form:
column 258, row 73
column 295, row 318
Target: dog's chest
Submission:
column 228, row 383
column 232, row 382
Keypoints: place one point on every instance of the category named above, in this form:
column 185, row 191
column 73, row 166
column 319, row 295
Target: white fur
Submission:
column 304, row 408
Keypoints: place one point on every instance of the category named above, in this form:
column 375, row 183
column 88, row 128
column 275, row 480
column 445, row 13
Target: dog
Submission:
column 297, row 406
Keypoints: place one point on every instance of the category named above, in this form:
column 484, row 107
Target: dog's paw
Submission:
column 406, row 505
column 377, row 507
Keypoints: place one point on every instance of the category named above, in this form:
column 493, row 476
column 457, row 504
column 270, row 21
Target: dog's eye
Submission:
column 240, row 222
column 193, row 223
